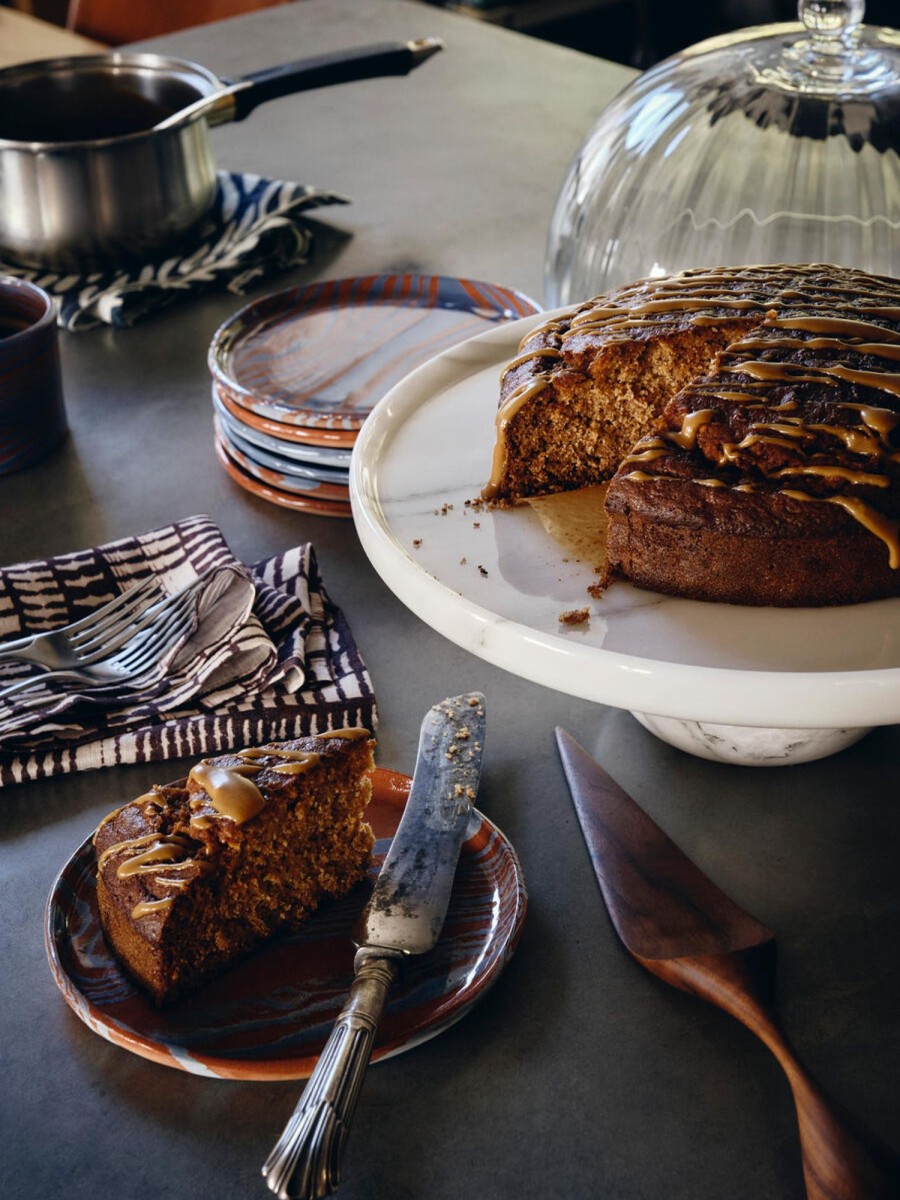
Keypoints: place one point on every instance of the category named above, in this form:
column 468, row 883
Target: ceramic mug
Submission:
column 32, row 414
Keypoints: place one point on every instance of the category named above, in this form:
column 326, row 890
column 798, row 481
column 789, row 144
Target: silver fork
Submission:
column 158, row 629
column 94, row 637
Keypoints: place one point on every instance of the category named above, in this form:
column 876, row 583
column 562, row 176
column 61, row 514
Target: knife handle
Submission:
column 306, row 1161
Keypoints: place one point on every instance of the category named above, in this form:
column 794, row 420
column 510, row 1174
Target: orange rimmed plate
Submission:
column 292, row 483
column 275, row 495
column 323, row 355
column 268, row 1017
column 341, row 438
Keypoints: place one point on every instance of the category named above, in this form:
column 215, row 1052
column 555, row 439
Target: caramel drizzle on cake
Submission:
column 794, row 309
column 156, row 854
column 234, row 796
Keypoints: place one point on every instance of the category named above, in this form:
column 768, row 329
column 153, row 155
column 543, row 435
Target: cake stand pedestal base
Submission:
column 745, row 745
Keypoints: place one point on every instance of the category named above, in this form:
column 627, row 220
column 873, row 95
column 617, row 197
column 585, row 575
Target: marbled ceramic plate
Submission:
column 269, row 1017
column 496, row 582
column 335, row 457
column 337, row 438
column 299, row 501
column 322, row 356
column 279, row 480
column 303, row 474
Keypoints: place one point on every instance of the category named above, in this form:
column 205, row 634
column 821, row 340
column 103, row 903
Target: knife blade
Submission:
column 409, row 901
column 680, row 926
column 404, row 916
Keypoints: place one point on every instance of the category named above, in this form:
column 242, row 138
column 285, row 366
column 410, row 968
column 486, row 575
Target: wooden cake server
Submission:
column 674, row 921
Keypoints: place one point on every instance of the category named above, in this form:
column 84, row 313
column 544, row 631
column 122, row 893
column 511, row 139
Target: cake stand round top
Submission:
column 496, row 582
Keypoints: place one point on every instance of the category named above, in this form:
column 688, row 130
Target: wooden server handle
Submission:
column 840, row 1160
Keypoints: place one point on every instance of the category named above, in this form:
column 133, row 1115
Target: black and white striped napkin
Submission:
column 255, row 228
column 272, row 658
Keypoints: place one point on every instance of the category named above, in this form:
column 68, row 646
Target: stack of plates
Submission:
column 296, row 374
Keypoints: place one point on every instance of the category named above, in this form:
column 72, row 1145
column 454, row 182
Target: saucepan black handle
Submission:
column 325, row 70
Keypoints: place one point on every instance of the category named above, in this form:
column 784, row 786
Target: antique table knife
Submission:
column 404, row 916
column 675, row 922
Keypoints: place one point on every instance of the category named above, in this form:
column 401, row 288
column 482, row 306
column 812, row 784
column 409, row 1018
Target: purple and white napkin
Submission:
column 255, row 228
column 270, row 657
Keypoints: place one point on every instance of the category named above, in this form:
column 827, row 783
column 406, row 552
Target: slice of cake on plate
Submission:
column 192, row 876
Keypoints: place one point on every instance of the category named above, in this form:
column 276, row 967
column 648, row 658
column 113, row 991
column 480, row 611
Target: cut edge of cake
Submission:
column 744, row 416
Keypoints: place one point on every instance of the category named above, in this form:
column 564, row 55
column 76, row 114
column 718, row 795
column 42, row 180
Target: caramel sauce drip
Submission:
column 353, row 732
column 647, row 451
column 238, row 798
column 776, row 372
column 876, row 349
column 686, row 437
column 544, row 352
column 882, row 380
column 795, row 429
column 856, row 438
column 299, row 767
column 882, row 527
column 146, row 908
column 230, row 792
column 144, row 799
column 885, row 529
column 178, row 843
column 748, row 398
column 846, row 327
column 151, row 853
column 829, row 470
column 164, row 854
column 657, row 445
column 883, row 420
column 505, row 414
column 271, row 752
column 731, row 450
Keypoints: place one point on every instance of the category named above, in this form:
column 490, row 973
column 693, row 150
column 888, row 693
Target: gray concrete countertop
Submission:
column 578, row 1075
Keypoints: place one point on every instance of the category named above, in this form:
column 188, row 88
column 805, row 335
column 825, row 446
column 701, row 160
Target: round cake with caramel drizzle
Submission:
column 194, row 875
column 749, row 418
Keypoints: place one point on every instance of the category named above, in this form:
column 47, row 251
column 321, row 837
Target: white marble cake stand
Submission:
column 734, row 684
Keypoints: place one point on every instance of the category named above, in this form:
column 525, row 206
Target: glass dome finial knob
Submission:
column 831, row 19
column 830, row 56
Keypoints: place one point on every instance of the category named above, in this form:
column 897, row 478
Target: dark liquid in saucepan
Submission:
column 95, row 109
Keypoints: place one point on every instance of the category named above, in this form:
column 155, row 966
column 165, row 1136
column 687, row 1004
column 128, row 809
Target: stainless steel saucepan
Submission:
column 107, row 157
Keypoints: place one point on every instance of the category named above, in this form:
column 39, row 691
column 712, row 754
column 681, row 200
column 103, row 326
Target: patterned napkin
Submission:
column 271, row 656
column 223, row 648
column 254, row 229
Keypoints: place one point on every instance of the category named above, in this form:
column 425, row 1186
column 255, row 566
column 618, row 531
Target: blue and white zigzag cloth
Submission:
column 255, row 228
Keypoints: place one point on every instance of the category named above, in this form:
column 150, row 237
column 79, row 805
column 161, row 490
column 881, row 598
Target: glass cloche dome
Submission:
column 779, row 143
